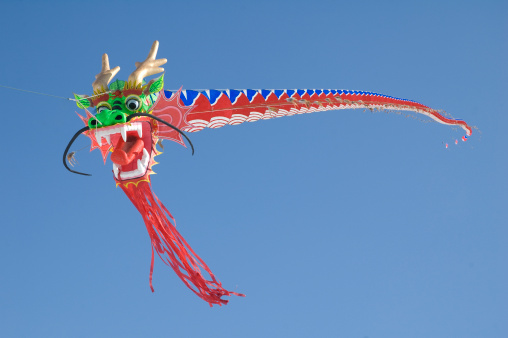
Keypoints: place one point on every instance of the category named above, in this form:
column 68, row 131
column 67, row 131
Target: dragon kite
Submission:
column 133, row 116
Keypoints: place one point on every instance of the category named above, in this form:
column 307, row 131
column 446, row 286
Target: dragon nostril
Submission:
column 119, row 117
column 93, row 122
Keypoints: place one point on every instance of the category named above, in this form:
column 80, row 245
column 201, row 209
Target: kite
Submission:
column 133, row 116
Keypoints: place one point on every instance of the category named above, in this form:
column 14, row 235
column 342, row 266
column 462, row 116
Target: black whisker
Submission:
column 82, row 130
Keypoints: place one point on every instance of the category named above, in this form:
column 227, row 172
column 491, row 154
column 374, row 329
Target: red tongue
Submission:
column 126, row 152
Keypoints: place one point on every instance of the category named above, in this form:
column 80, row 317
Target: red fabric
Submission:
column 172, row 247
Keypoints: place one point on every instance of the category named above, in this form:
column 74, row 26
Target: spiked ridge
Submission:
column 104, row 148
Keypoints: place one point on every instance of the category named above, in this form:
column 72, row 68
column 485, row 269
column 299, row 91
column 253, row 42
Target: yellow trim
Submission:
column 135, row 183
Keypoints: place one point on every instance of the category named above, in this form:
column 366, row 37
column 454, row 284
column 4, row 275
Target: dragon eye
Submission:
column 133, row 103
column 103, row 106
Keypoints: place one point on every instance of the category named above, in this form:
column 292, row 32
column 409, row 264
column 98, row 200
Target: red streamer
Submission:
column 172, row 247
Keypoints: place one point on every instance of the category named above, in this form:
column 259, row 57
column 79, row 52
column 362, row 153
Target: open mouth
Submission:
column 132, row 148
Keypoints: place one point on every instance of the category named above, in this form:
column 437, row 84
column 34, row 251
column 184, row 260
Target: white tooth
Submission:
column 115, row 170
column 123, row 131
column 141, row 166
column 140, row 131
column 108, row 138
column 146, row 156
column 98, row 137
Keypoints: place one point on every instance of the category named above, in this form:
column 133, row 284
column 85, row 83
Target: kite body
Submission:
column 132, row 116
column 216, row 108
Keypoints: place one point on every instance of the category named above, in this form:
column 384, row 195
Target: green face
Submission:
column 115, row 107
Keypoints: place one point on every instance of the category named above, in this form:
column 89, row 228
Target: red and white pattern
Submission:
column 217, row 108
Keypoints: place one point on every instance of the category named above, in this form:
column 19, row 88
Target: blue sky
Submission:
column 334, row 224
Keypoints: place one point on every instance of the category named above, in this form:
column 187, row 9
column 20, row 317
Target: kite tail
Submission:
column 172, row 247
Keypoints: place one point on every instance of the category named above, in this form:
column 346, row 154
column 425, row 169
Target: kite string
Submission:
column 59, row 97
column 30, row 91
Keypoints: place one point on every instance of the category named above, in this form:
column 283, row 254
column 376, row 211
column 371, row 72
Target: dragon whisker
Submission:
column 65, row 156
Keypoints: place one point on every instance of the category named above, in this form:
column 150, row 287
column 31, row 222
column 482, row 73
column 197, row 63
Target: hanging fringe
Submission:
column 172, row 247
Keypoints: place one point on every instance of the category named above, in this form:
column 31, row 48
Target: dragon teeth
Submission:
column 99, row 137
column 141, row 166
column 115, row 170
column 106, row 134
column 123, row 131
column 146, row 156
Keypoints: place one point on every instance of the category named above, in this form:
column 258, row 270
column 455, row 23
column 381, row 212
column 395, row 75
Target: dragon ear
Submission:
column 154, row 85
column 82, row 101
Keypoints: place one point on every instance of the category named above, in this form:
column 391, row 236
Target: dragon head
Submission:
column 124, row 124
